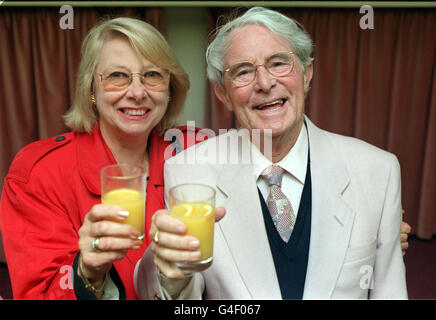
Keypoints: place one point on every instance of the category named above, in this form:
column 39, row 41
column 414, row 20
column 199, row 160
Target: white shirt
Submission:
column 295, row 166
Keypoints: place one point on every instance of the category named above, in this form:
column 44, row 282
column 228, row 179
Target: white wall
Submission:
column 187, row 35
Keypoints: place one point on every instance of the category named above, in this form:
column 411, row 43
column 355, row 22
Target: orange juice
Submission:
column 130, row 200
column 199, row 220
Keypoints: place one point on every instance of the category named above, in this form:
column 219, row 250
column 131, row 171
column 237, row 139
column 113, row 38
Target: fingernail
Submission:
column 194, row 244
column 123, row 213
column 195, row 255
column 135, row 235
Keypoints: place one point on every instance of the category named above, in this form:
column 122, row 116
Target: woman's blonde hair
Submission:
column 147, row 42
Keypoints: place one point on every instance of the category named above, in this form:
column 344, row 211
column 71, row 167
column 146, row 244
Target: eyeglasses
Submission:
column 120, row 80
column 278, row 65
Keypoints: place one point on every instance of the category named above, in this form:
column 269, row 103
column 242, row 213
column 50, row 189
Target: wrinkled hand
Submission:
column 115, row 239
column 405, row 230
column 173, row 245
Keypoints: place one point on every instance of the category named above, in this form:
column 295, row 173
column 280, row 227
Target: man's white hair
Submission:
column 279, row 24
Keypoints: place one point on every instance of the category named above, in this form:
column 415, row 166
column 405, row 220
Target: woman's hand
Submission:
column 405, row 230
column 404, row 234
column 114, row 240
column 172, row 245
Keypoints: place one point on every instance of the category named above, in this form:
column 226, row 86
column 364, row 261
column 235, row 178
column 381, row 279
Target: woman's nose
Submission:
column 136, row 89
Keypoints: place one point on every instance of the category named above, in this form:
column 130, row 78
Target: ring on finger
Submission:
column 94, row 243
column 156, row 237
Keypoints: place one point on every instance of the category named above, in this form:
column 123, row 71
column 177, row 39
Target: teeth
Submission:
column 281, row 101
column 135, row 112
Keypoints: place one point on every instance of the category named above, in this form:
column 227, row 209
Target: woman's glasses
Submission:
column 119, row 80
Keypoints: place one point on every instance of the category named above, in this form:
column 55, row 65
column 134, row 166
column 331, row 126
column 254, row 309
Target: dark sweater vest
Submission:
column 290, row 259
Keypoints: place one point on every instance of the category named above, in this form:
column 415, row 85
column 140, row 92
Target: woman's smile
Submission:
column 134, row 113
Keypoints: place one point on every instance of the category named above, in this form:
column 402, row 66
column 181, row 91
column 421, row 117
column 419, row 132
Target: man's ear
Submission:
column 308, row 73
column 221, row 94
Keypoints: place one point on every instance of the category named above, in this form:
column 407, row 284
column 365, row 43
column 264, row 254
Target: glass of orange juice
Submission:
column 194, row 205
column 124, row 186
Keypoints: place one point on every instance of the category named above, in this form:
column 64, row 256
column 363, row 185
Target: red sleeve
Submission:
column 39, row 237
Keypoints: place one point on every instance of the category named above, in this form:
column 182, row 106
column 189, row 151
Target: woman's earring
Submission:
column 93, row 99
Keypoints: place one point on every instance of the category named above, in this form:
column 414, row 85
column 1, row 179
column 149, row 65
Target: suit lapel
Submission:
column 244, row 231
column 332, row 217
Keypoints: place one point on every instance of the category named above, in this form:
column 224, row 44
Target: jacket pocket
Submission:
column 356, row 253
column 355, row 278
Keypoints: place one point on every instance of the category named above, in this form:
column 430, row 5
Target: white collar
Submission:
column 295, row 161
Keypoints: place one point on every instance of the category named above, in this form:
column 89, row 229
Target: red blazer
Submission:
column 50, row 187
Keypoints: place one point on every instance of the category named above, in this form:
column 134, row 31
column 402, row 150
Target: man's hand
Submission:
column 170, row 244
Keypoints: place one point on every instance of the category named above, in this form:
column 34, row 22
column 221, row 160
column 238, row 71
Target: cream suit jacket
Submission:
column 354, row 250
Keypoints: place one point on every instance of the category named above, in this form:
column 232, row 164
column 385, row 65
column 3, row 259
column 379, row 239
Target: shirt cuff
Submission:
column 172, row 289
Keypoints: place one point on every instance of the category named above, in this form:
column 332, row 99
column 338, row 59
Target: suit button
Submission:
column 60, row 138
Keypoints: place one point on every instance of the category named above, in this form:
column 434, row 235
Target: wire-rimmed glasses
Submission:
column 119, row 80
column 278, row 65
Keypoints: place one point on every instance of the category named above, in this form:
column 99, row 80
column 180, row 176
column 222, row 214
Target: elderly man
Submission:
column 311, row 215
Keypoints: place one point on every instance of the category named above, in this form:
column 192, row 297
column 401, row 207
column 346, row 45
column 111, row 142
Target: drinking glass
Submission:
column 124, row 186
column 194, row 205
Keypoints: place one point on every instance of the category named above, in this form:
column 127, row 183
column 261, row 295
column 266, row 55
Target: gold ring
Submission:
column 94, row 243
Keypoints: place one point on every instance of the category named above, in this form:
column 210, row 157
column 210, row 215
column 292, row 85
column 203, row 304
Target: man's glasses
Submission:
column 278, row 65
column 120, row 80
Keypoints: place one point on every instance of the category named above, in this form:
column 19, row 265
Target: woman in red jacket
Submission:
column 130, row 89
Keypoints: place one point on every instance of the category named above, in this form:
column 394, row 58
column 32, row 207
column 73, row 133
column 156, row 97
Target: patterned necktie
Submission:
column 279, row 205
